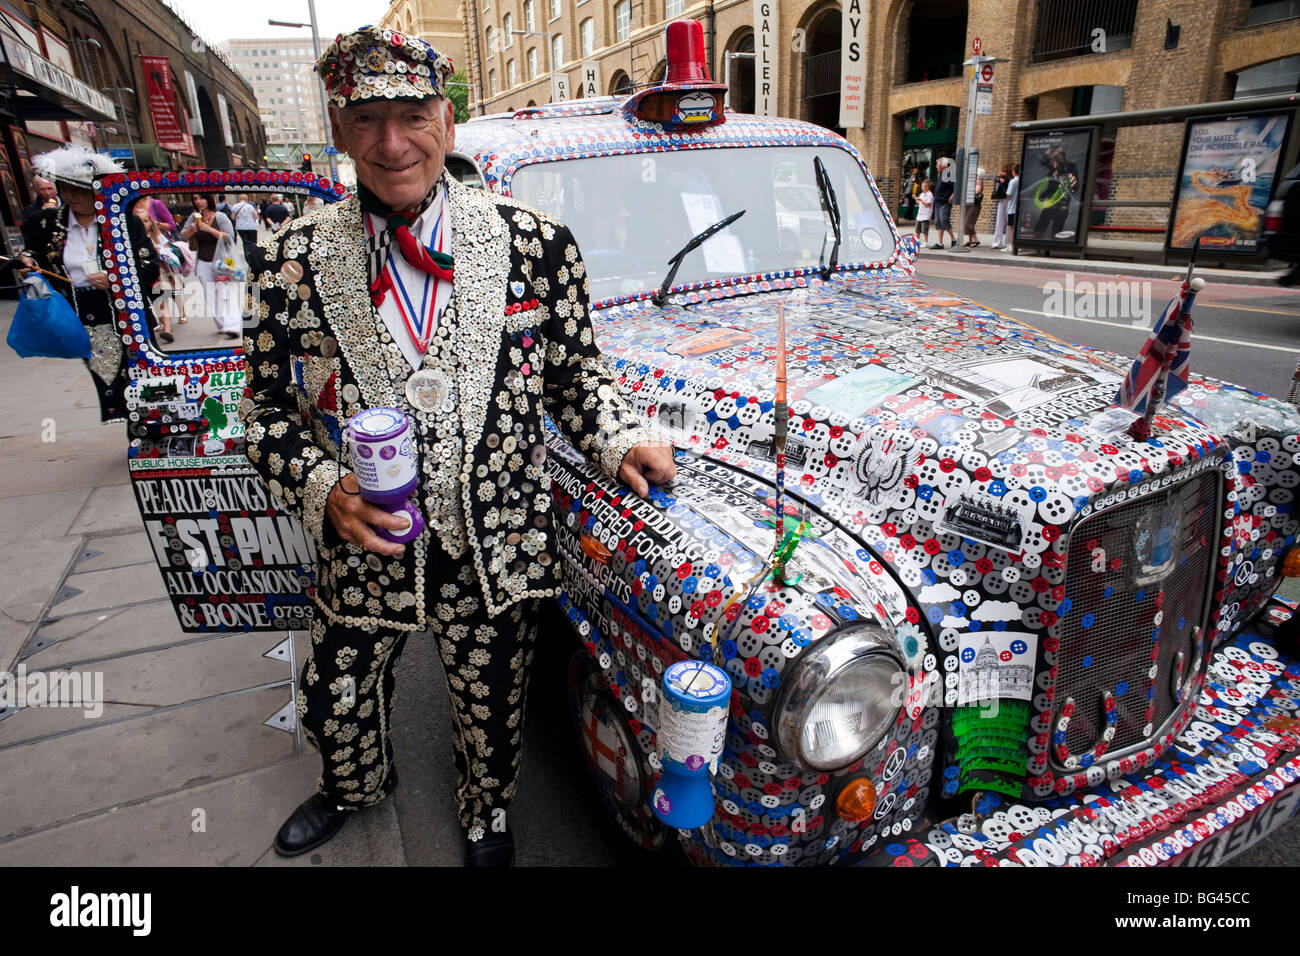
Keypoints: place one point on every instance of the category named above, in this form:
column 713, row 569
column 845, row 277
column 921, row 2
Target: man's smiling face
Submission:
column 397, row 145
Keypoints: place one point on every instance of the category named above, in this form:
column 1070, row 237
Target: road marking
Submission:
column 1196, row 336
column 1244, row 308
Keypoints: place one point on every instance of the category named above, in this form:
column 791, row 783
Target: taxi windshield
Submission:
column 631, row 214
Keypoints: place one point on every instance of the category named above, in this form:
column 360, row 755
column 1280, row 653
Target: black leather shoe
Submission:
column 495, row 849
column 315, row 821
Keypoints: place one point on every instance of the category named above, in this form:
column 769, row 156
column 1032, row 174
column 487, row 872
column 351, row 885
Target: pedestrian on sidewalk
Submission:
column 943, row 193
column 924, row 210
column 1000, row 197
column 245, row 217
column 973, row 210
column 205, row 230
column 354, row 271
column 276, row 213
column 163, row 292
column 1013, row 194
column 66, row 241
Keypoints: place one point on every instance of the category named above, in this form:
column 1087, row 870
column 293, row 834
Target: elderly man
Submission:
column 47, row 197
column 467, row 312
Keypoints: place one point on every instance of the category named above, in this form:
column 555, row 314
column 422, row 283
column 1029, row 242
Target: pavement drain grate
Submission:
column 38, row 642
column 64, row 593
column 286, row 718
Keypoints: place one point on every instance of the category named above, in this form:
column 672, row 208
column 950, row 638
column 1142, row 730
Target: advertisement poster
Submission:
column 162, row 102
column 229, row 560
column 853, row 65
column 1228, row 169
column 1053, row 177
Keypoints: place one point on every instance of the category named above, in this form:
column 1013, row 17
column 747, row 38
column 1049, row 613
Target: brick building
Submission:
column 109, row 37
column 1064, row 57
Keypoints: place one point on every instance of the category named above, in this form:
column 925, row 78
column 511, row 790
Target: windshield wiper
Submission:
column 660, row 297
column 832, row 208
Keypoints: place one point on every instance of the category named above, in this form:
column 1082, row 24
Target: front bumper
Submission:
column 1232, row 777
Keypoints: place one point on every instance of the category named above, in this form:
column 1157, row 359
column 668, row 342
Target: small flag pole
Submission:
column 1141, row 428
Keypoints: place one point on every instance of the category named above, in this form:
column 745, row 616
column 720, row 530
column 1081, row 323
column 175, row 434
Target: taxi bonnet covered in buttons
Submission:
column 1006, row 631
column 968, row 618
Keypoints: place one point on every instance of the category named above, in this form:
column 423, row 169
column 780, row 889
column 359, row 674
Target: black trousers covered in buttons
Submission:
column 346, row 697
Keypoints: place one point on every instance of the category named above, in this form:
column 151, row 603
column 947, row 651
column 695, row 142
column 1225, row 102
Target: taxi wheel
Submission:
column 621, row 817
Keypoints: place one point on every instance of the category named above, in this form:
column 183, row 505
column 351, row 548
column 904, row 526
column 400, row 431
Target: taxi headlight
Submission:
column 840, row 699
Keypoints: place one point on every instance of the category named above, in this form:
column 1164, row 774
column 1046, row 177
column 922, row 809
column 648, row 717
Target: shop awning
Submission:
column 44, row 90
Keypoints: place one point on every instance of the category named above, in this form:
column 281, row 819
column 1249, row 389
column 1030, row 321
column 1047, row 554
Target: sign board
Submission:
column 986, row 74
column 976, row 46
column 118, row 152
column 853, row 65
column 230, row 560
column 971, row 163
column 1225, row 179
column 559, row 87
column 1053, row 179
column 983, row 99
column 589, row 79
column 169, row 130
column 767, row 40
column 331, row 151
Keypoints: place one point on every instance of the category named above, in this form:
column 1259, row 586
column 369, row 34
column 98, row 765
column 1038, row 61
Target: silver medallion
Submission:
column 427, row 388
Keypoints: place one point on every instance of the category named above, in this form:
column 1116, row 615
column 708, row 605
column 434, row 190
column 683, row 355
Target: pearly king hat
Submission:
column 377, row 63
column 74, row 166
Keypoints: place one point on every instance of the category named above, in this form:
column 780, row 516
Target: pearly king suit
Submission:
column 521, row 346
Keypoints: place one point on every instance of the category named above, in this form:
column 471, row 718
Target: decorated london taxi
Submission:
column 930, row 588
column 966, row 616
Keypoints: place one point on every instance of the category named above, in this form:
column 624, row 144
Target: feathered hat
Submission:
column 75, row 166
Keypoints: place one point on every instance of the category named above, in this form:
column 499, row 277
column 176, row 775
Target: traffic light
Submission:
column 306, row 163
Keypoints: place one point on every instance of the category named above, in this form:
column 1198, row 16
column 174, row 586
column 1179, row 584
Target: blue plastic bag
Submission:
column 47, row 326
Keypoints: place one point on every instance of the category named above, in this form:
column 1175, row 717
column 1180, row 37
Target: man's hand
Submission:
column 647, row 462
column 353, row 517
column 98, row 279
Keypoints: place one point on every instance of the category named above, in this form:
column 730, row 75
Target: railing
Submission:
column 1068, row 28
column 821, row 74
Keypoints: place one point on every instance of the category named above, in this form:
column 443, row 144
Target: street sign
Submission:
column 117, row 152
column 977, row 46
column 986, row 73
column 559, row 87
column 983, row 99
column 331, row 151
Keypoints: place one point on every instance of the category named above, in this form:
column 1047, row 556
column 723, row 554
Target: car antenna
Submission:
column 660, row 297
column 832, row 207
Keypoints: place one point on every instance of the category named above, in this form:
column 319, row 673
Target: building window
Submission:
column 1068, row 28
column 622, row 20
column 588, row 32
column 674, row 8
column 555, row 9
column 530, row 22
column 1271, row 11
column 492, row 82
column 510, row 73
column 1277, row 76
column 532, row 63
column 507, row 38
column 487, row 40
column 557, row 50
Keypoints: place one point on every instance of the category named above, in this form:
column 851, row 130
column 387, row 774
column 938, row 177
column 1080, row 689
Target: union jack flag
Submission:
column 1168, row 346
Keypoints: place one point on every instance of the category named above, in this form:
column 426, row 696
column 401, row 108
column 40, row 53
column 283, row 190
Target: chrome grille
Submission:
column 1153, row 555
